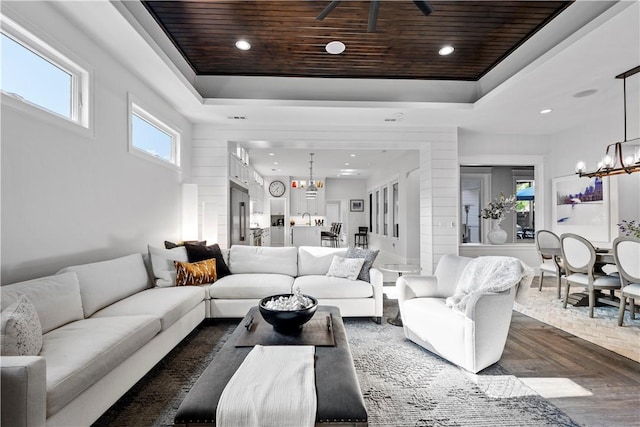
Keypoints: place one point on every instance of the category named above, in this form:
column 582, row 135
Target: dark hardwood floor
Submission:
column 535, row 349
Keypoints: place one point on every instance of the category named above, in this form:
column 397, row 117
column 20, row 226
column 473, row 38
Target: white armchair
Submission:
column 473, row 339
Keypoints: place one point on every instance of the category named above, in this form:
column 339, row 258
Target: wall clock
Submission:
column 276, row 188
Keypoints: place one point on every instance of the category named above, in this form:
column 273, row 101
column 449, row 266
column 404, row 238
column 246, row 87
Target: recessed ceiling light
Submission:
column 446, row 50
column 272, row 154
column 352, row 155
column 546, row 111
column 243, row 45
column 584, row 93
column 335, row 47
column 346, row 163
column 276, row 163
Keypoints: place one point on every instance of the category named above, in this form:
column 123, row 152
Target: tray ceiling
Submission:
column 288, row 41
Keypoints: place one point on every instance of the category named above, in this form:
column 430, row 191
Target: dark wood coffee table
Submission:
column 340, row 401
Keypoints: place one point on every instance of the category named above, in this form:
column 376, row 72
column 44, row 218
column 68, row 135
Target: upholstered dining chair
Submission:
column 579, row 258
column 548, row 246
column 626, row 252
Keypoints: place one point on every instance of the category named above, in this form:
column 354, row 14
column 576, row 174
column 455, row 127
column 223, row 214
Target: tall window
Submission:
column 153, row 138
column 371, row 212
column 525, row 221
column 385, row 211
column 395, row 208
column 377, row 211
column 39, row 76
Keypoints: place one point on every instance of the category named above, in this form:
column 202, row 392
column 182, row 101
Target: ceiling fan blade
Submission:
column 424, row 6
column 373, row 16
column 327, row 10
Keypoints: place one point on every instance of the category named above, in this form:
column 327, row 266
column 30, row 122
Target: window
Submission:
column 395, row 209
column 385, row 211
column 525, row 224
column 38, row 76
column 370, row 212
column 377, row 211
column 480, row 184
column 151, row 137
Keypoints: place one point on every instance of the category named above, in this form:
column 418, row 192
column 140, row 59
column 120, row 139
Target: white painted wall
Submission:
column 506, row 149
column 69, row 197
column 588, row 143
column 397, row 250
column 561, row 151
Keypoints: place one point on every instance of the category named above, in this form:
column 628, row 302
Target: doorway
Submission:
column 473, row 190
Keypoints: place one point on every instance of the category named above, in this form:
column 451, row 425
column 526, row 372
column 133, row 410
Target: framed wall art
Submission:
column 582, row 206
column 356, row 205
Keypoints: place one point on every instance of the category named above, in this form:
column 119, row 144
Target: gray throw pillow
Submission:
column 21, row 329
column 369, row 256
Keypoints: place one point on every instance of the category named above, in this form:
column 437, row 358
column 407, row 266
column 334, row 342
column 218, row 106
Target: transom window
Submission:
column 39, row 76
column 151, row 137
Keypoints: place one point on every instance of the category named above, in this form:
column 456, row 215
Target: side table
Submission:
column 400, row 269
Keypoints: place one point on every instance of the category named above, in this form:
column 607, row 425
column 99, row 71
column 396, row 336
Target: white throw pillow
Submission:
column 347, row 268
column 21, row 330
column 164, row 270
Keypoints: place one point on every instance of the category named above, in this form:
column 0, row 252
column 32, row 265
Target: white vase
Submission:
column 497, row 236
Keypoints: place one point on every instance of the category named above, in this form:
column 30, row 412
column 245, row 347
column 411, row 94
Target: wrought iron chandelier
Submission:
column 312, row 190
column 618, row 158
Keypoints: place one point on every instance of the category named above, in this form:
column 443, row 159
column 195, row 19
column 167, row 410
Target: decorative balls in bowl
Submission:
column 288, row 312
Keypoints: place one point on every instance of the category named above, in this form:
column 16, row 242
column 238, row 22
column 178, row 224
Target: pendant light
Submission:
column 615, row 162
column 312, row 190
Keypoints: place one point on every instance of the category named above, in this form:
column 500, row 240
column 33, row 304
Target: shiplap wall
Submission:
column 210, row 171
column 438, row 199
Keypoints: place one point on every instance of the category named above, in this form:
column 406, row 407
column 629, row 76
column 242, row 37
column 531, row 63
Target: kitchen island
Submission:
column 306, row 235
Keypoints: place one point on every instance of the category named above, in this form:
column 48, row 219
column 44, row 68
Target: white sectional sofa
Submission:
column 104, row 325
column 258, row 272
column 103, row 328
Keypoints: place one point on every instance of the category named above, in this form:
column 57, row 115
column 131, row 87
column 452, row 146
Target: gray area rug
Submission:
column 402, row 384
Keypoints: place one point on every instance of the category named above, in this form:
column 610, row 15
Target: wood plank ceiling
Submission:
column 288, row 41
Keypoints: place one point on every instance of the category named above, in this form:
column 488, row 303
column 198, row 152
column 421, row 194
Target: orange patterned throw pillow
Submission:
column 195, row 273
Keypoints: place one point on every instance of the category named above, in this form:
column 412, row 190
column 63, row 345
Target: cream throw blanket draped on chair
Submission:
column 491, row 274
column 274, row 386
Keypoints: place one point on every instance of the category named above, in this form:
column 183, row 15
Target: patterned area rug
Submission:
column 402, row 384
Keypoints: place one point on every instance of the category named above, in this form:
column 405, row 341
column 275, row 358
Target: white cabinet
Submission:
column 300, row 204
column 317, row 206
column 276, row 206
column 277, row 236
column 256, row 192
column 266, row 236
column 306, row 236
column 238, row 170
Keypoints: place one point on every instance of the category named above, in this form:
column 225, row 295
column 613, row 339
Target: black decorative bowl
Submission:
column 287, row 320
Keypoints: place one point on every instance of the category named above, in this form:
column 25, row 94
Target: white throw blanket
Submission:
column 491, row 274
column 274, row 386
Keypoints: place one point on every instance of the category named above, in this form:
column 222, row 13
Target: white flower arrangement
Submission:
column 499, row 206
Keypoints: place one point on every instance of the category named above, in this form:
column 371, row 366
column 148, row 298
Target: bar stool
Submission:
column 332, row 236
column 362, row 237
